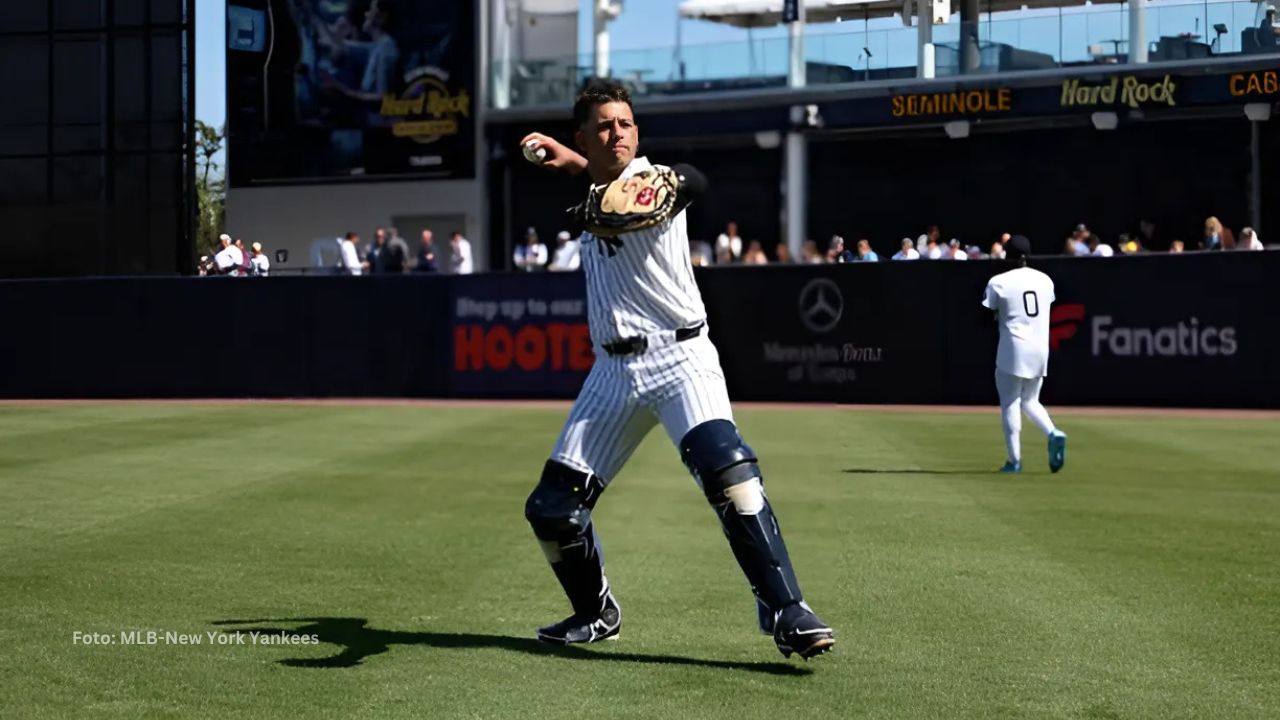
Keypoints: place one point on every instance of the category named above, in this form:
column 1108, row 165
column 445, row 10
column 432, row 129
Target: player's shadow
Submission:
column 912, row 471
column 359, row 641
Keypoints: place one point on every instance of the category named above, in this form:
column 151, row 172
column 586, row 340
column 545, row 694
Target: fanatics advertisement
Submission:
column 348, row 89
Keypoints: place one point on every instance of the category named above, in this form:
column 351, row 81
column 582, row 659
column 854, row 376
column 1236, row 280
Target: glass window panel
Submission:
column 22, row 181
column 166, row 12
column 26, row 98
column 166, row 179
column 129, row 181
column 24, row 15
column 166, row 77
column 77, row 179
column 77, row 81
column 75, row 14
column 131, row 12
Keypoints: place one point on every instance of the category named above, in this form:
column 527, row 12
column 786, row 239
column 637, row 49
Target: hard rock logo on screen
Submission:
column 428, row 109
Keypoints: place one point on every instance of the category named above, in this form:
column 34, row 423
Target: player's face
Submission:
column 609, row 137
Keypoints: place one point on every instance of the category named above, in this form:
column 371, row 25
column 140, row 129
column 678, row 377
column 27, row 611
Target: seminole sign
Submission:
column 961, row 102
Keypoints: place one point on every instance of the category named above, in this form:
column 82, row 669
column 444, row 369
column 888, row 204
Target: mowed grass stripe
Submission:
column 1118, row 588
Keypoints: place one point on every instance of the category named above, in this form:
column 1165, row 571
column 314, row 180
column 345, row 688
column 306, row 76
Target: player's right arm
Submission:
column 559, row 157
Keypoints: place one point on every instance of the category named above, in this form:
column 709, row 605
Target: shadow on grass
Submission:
column 359, row 641
column 914, row 471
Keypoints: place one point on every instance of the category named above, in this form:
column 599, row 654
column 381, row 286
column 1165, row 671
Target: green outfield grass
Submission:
column 1141, row 582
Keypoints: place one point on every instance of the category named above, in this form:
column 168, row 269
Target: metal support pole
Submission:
column 602, row 39
column 1255, row 177
column 796, row 71
column 1138, row 31
column 925, row 61
column 797, row 190
column 970, row 58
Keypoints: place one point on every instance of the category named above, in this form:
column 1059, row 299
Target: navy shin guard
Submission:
column 559, row 511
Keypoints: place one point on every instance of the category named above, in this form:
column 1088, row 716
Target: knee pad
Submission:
column 724, row 465
column 559, row 508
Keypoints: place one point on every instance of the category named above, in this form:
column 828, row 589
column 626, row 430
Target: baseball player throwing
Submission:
column 654, row 365
column 1021, row 298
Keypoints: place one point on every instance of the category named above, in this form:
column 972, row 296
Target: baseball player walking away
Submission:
column 655, row 364
column 1021, row 298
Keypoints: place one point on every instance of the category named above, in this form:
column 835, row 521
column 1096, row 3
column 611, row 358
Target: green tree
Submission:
column 211, row 187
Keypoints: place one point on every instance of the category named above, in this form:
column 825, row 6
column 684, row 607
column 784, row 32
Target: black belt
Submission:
column 637, row 345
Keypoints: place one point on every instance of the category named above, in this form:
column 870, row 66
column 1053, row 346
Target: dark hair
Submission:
column 598, row 92
column 350, row 236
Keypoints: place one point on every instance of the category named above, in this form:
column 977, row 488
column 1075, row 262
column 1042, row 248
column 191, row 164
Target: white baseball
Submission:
column 534, row 154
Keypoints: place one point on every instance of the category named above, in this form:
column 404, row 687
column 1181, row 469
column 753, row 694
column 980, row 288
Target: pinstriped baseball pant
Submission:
column 679, row 385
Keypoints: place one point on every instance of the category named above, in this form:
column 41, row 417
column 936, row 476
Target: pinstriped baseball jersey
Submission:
column 646, row 288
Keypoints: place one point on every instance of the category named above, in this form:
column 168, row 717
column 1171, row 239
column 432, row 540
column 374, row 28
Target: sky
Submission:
column 644, row 35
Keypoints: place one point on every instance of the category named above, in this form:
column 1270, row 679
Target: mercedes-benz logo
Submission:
column 821, row 305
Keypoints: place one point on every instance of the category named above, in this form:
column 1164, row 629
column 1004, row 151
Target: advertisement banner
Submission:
column 519, row 336
column 837, row 333
column 349, row 89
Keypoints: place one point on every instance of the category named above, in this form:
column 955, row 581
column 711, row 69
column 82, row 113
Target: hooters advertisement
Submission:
column 519, row 335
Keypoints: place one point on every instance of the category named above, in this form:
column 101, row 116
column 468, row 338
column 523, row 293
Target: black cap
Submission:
column 1017, row 247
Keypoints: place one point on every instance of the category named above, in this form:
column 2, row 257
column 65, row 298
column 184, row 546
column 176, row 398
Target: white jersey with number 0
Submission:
column 1021, row 300
column 644, row 286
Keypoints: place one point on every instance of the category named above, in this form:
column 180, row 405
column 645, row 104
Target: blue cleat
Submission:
column 1011, row 467
column 1057, row 450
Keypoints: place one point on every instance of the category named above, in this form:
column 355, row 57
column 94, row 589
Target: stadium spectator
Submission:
column 530, row 255
column 1147, row 233
column 348, row 256
column 460, row 255
column 783, row 253
column 755, row 254
column 934, row 233
column 229, row 259
column 1130, row 245
column 373, row 256
column 566, row 257
column 700, row 253
column 931, row 249
column 997, row 247
column 426, row 259
column 1213, row 235
column 809, row 254
column 835, row 250
column 244, row 257
column 907, row 252
column 259, row 265
column 396, row 254
column 1097, row 248
column 1175, row 246
column 953, row 251
column 865, row 253
column 729, row 244
column 1249, row 240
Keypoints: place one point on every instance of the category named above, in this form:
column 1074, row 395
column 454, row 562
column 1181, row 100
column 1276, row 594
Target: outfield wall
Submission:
column 1190, row 330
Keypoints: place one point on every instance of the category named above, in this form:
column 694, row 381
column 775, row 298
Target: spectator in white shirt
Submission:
column 229, row 258
column 908, row 252
column 460, row 255
column 1249, row 240
column 348, row 256
column 931, row 250
column 566, row 258
column 729, row 245
column 259, row 266
column 953, row 251
column 1097, row 248
column 531, row 255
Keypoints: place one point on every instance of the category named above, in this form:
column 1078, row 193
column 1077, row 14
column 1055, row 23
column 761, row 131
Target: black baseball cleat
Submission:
column 797, row 630
column 576, row 629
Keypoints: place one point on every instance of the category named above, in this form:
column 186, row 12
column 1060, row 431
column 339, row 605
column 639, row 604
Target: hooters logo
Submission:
column 1064, row 322
column 646, row 196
